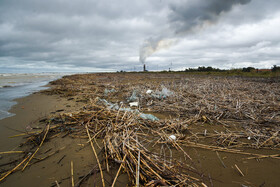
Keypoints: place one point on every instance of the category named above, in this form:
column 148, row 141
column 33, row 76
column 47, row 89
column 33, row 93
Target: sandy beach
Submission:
column 69, row 99
column 29, row 111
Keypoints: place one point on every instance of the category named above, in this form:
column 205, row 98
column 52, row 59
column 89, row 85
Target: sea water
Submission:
column 16, row 85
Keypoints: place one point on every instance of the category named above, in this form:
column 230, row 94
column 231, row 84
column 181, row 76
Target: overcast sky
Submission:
column 109, row 35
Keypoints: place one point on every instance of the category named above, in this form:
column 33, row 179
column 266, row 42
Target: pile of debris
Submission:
column 143, row 121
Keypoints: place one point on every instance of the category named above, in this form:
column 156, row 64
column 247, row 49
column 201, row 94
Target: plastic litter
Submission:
column 172, row 137
column 164, row 93
column 133, row 104
column 106, row 91
column 110, row 105
column 149, row 91
column 116, row 107
column 133, row 97
column 148, row 117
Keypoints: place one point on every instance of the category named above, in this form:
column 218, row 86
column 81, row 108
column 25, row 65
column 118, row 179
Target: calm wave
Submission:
column 13, row 86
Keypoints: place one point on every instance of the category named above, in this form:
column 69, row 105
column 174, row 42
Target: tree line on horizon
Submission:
column 245, row 69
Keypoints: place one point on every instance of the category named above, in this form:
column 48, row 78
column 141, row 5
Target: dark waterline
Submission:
column 9, row 94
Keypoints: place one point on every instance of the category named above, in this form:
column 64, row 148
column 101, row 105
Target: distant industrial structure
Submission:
column 144, row 68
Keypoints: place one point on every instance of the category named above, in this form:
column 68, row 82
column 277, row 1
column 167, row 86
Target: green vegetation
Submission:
column 203, row 69
column 246, row 71
column 275, row 68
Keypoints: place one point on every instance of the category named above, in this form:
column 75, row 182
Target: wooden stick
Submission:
column 216, row 148
column 91, row 172
column 239, row 170
column 30, row 133
column 57, row 184
column 24, row 134
column 95, row 135
column 48, row 127
column 10, row 152
column 61, row 159
column 123, row 161
column 220, row 159
column 11, row 171
column 274, row 135
column 72, row 174
column 106, row 156
column 138, row 169
column 95, row 154
column 262, row 156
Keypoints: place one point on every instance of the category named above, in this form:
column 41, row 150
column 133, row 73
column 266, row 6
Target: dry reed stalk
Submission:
column 273, row 136
column 220, row 159
column 264, row 156
column 93, row 137
column 95, row 154
column 239, row 170
column 11, row 152
column 11, row 171
column 106, row 156
column 138, row 169
column 49, row 155
column 47, row 130
column 72, row 174
column 57, row 184
column 236, row 151
column 115, row 179
column 24, row 134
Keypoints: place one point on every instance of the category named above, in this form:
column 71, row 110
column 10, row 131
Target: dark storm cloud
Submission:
column 186, row 17
column 75, row 33
column 93, row 35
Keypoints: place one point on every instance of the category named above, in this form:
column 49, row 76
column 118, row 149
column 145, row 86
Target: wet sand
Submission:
column 29, row 111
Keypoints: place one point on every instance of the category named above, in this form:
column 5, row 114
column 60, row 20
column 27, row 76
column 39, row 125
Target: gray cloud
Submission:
column 93, row 35
column 192, row 15
column 186, row 17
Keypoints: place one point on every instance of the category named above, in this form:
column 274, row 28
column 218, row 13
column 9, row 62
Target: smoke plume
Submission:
column 152, row 45
column 186, row 17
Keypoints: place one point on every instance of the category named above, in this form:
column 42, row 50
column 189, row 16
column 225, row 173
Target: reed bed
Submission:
column 252, row 105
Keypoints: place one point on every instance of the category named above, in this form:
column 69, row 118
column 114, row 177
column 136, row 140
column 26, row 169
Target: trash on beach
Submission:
column 172, row 137
column 149, row 91
column 106, row 91
column 109, row 105
column 148, row 117
column 164, row 93
column 133, row 97
column 116, row 107
column 133, row 104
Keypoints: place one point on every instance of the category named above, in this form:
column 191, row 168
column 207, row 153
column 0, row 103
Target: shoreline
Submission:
column 15, row 101
column 29, row 110
column 14, row 86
